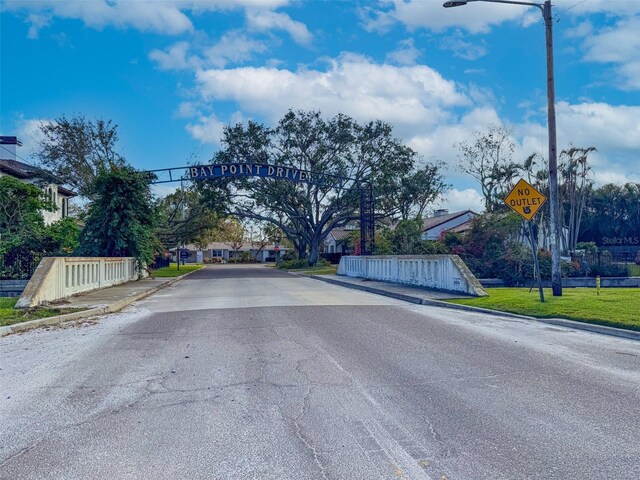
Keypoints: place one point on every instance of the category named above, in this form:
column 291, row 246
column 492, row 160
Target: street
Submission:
column 247, row 372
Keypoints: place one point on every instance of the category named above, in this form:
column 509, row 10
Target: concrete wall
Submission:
column 440, row 272
column 60, row 277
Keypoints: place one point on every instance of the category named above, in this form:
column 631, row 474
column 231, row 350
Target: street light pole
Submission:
column 554, row 204
column 545, row 8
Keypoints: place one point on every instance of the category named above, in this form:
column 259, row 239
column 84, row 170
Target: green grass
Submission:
column 10, row 315
column 615, row 307
column 172, row 270
column 330, row 270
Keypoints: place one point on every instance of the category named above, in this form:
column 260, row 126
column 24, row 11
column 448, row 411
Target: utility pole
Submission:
column 554, row 204
column 556, row 233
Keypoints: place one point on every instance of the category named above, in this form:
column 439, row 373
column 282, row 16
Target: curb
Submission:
column 92, row 312
column 560, row 322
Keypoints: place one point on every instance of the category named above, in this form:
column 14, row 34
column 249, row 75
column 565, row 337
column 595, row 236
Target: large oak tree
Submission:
column 343, row 155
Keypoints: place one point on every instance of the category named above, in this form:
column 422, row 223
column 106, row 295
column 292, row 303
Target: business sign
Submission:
column 184, row 254
column 525, row 200
column 221, row 170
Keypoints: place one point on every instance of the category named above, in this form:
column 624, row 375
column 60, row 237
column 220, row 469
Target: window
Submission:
column 65, row 207
column 216, row 253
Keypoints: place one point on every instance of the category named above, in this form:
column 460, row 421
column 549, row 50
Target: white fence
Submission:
column 441, row 272
column 60, row 277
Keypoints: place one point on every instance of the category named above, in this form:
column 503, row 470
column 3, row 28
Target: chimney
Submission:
column 440, row 212
column 8, row 147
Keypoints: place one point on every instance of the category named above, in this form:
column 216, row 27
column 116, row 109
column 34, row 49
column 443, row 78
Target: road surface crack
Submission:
column 312, row 449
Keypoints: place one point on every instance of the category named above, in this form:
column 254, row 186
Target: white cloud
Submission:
column 613, row 130
column 607, row 127
column 611, row 7
column 481, row 16
column 457, row 200
column 160, row 17
column 406, row 54
column 462, row 48
column 28, row 132
column 208, row 129
column 233, row 47
column 175, row 57
column 619, row 45
column 264, row 20
column 165, row 17
column 474, row 18
column 36, row 22
column 439, row 142
column 415, row 96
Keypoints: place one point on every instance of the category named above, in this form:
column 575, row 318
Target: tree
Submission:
column 21, row 206
column 261, row 234
column 231, row 233
column 76, row 150
column 612, row 212
column 342, row 154
column 24, row 238
column 418, row 190
column 574, row 190
column 488, row 160
column 187, row 217
column 120, row 220
column 406, row 237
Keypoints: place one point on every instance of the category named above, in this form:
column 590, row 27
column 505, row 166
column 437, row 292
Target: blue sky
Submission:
column 172, row 73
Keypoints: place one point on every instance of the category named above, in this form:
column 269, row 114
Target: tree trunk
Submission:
column 314, row 252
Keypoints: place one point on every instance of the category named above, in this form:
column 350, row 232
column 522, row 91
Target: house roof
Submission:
column 246, row 247
column 24, row 170
column 463, row 227
column 341, row 233
column 433, row 222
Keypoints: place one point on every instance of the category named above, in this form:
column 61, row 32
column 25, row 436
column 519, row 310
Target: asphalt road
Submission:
column 250, row 373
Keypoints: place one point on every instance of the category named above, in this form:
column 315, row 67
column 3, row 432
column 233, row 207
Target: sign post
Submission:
column 525, row 200
column 536, row 264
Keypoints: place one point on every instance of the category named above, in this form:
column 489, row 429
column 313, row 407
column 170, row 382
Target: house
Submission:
column 443, row 221
column 50, row 185
column 339, row 240
column 225, row 252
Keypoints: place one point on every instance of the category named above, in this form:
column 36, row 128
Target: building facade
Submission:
column 48, row 183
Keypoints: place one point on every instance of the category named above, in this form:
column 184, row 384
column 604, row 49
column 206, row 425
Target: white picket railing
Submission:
column 60, row 277
column 441, row 272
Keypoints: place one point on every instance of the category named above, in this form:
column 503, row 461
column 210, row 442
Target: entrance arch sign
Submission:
column 281, row 172
column 222, row 170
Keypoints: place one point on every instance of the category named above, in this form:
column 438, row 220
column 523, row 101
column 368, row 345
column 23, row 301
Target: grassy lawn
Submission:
column 9, row 315
column 634, row 270
column 615, row 307
column 172, row 270
column 330, row 270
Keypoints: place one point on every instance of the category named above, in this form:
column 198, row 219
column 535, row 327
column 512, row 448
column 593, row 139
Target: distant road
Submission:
column 251, row 373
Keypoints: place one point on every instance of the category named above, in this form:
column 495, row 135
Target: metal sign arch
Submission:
column 280, row 172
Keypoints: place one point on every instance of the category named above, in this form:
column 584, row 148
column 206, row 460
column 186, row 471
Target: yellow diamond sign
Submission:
column 525, row 200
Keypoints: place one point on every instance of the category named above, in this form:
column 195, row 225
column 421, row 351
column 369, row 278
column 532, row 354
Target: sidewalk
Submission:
column 407, row 293
column 434, row 298
column 98, row 302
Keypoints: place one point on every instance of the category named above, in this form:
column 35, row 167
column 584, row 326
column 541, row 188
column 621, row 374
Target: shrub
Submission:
column 295, row 264
column 213, row 260
column 301, row 264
